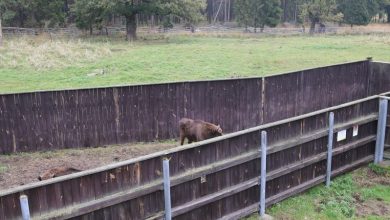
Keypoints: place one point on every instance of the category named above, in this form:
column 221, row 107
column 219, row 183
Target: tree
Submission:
column 49, row 12
column 319, row 12
column 387, row 8
column 384, row 8
column 1, row 34
column 37, row 13
column 372, row 7
column 290, row 10
column 243, row 13
column 187, row 9
column 89, row 14
column 14, row 12
column 355, row 12
column 258, row 13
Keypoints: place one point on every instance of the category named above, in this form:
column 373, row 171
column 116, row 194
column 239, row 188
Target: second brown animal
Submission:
column 56, row 172
column 197, row 130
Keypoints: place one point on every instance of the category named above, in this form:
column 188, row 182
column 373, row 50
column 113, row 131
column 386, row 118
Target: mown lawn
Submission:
column 362, row 194
column 28, row 64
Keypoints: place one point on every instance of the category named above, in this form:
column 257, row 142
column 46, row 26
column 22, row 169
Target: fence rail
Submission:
column 229, row 167
column 208, row 29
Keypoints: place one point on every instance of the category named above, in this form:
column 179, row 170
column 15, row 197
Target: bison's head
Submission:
column 46, row 176
column 218, row 130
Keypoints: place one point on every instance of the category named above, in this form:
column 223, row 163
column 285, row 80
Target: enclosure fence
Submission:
column 213, row 179
column 217, row 178
column 208, row 29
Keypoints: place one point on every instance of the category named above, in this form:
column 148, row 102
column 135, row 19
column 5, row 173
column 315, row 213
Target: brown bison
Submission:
column 56, row 172
column 197, row 130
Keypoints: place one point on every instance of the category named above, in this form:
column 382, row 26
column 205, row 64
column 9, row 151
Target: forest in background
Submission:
column 96, row 14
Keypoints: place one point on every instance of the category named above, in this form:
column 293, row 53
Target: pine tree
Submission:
column 355, row 12
column 258, row 13
column 243, row 13
column 89, row 14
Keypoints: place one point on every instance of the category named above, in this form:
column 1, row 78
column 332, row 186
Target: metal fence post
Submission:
column 24, row 206
column 263, row 172
column 330, row 148
column 167, row 190
column 381, row 130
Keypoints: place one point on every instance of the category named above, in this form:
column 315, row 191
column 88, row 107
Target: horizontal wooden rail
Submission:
column 295, row 190
column 384, row 97
column 285, row 144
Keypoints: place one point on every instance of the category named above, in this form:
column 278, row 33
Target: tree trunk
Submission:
column 1, row 34
column 131, row 28
column 388, row 13
column 90, row 30
column 312, row 27
column 284, row 7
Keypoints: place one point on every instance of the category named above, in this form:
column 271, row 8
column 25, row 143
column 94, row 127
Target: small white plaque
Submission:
column 341, row 135
column 355, row 130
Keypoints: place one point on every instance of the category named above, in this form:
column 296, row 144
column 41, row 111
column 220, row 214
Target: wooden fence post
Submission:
column 381, row 129
column 167, row 190
column 263, row 172
column 330, row 148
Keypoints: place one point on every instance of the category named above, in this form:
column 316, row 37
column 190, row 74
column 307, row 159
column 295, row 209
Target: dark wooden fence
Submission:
column 229, row 166
column 380, row 78
column 102, row 116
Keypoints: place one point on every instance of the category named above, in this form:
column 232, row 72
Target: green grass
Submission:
column 3, row 168
column 337, row 202
column 28, row 64
column 380, row 170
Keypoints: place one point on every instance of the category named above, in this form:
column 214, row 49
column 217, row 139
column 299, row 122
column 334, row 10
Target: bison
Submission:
column 197, row 130
column 56, row 172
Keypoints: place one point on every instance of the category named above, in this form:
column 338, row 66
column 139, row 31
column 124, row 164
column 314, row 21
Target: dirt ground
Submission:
column 23, row 168
column 371, row 207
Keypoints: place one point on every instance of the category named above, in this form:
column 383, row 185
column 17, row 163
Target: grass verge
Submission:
column 362, row 194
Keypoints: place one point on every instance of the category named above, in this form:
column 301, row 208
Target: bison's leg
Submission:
column 182, row 137
column 190, row 140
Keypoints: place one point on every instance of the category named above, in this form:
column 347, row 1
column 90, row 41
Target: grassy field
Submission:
column 362, row 194
column 28, row 64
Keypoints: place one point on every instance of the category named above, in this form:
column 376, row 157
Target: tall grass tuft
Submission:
column 44, row 53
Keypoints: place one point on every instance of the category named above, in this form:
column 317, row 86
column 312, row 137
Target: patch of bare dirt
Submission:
column 365, row 177
column 372, row 207
column 24, row 168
